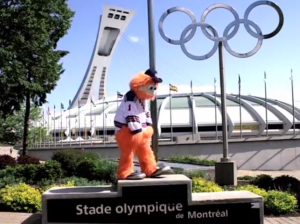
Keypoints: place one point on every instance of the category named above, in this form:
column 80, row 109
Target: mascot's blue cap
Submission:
column 153, row 74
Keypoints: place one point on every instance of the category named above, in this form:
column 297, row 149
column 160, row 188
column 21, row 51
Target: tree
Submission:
column 11, row 127
column 29, row 61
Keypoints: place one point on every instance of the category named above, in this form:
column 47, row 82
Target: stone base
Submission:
column 168, row 199
column 226, row 173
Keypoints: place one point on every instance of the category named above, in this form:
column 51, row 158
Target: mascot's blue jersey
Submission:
column 133, row 113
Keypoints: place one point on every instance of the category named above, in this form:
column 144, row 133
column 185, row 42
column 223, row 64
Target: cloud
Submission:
column 134, row 39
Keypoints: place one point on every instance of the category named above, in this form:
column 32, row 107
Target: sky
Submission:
column 276, row 57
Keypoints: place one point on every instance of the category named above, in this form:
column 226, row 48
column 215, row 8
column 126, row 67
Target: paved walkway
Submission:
column 26, row 218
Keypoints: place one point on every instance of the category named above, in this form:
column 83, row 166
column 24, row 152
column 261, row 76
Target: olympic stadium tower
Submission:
column 113, row 23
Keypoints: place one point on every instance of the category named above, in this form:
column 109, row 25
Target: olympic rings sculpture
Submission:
column 184, row 38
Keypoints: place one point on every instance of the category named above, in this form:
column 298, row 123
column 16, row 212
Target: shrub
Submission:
column 190, row 173
column 289, row 184
column 25, row 159
column 249, row 178
column 21, row 198
column 255, row 190
column 263, row 181
column 101, row 170
column 191, row 160
column 201, row 185
column 68, row 184
column 279, row 203
column 10, row 180
column 78, row 181
column 33, row 173
column 6, row 160
column 286, row 183
column 69, row 159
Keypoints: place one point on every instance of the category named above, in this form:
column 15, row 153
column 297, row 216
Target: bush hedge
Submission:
column 21, row 198
column 7, row 160
column 25, row 159
column 279, row 203
column 191, row 160
column 70, row 159
column 202, row 185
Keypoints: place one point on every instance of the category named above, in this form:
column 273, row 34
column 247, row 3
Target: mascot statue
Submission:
column 134, row 131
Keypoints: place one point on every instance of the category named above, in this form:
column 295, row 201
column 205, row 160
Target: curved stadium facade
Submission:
column 200, row 114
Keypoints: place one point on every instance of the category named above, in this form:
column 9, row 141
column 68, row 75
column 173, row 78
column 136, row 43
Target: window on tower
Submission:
column 108, row 40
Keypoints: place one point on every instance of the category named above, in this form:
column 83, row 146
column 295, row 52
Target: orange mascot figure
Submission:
column 134, row 131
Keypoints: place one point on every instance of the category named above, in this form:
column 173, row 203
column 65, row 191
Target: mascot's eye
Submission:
column 152, row 88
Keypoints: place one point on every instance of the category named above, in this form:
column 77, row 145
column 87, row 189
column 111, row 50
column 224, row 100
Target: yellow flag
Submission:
column 173, row 88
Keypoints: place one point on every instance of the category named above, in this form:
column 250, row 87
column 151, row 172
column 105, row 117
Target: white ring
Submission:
column 164, row 16
column 269, row 35
column 219, row 6
column 194, row 26
column 254, row 50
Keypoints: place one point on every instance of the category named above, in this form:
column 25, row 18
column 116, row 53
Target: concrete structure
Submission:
column 113, row 23
column 97, row 120
column 260, row 153
column 150, row 199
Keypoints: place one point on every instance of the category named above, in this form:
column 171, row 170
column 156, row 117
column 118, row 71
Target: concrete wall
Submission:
column 276, row 153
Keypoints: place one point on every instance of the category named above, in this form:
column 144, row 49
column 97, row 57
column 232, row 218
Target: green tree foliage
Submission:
column 12, row 127
column 29, row 61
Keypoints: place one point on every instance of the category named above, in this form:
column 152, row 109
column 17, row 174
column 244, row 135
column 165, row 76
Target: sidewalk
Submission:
column 27, row 218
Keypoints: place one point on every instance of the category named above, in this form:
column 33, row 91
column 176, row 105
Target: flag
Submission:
column 62, row 106
column 265, row 76
column 291, row 75
column 54, row 107
column 70, row 102
column 215, row 81
column 239, row 80
column 120, row 95
column 92, row 101
column 48, row 112
column 173, row 88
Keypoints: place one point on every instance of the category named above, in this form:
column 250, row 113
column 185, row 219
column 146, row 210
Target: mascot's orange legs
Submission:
column 125, row 142
column 138, row 144
column 145, row 154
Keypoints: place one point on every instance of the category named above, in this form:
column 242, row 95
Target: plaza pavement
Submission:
column 28, row 218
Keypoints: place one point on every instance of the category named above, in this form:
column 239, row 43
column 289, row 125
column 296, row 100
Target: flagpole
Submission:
column 84, row 128
column 61, row 133
column 216, row 122
column 293, row 102
column 54, row 131
column 44, row 127
column 95, row 123
column 103, row 121
column 91, row 108
column 193, row 121
column 171, row 122
column 117, row 100
column 70, row 132
column 79, row 131
column 40, row 131
column 240, row 105
column 48, row 126
column 267, row 128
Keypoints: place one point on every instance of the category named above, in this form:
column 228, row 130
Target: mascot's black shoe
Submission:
column 163, row 170
column 136, row 176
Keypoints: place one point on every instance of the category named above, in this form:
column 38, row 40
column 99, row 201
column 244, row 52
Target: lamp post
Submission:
column 153, row 105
